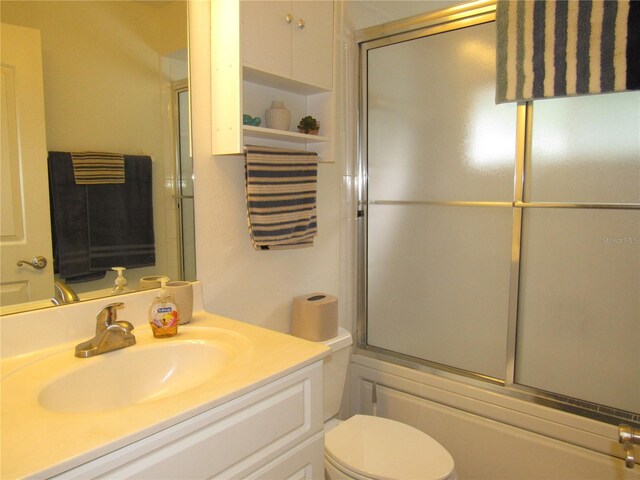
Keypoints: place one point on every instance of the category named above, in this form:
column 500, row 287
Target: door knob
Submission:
column 288, row 18
column 301, row 24
column 628, row 436
column 38, row 262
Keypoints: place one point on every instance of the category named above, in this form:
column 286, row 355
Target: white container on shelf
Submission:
column 278, row 116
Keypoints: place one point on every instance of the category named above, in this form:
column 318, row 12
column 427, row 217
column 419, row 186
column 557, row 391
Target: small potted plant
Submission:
column 309, row 125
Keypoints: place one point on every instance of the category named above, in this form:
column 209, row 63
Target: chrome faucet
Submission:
column 64, row 294
column 110, row 334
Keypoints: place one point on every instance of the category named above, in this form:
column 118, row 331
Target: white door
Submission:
column 25, row 230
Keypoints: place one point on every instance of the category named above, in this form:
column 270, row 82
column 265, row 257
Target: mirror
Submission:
column 114, row 77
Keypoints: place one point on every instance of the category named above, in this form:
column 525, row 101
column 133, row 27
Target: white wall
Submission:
column 238, row 281
column 118, row 99
column 368, row 13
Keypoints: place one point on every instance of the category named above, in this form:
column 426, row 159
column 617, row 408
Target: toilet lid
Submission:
column 384, row 449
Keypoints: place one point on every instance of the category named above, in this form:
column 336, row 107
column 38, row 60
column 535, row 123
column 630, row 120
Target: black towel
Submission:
column 69, row 221
column 96, row 227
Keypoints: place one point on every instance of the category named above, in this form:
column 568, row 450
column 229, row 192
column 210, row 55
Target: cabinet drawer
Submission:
column 229, row 441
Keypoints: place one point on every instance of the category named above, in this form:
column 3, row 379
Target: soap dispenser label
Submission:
column 164, row 320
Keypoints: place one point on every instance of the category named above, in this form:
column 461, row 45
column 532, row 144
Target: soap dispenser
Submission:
column 120, row 281
column 163, row 313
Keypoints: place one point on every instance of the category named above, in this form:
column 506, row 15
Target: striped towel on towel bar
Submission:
column 281, row 188
column 98, row 168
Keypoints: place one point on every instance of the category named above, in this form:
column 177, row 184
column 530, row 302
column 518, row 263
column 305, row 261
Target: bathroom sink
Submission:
column 151, row 370
column 132, row 376
column 60, row 411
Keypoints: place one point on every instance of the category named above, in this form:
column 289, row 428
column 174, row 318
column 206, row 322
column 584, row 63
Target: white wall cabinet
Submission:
column 272, row 432
column 290, row 39
column 257, row 56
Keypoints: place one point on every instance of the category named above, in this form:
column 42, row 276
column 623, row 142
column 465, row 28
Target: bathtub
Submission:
column 490, row 435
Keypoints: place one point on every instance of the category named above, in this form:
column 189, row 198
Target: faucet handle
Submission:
column 107, row 316
column 128, row 326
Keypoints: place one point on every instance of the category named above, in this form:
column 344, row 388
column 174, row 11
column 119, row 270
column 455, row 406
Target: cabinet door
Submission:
column 275, row 428
column 266, row 36
column 312, row 42
column 303, row 462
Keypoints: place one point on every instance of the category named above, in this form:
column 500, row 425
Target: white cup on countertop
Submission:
column 152, row 281
column 183, row 294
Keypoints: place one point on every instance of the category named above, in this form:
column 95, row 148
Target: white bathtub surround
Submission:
column 41, row 442
column 491, row 436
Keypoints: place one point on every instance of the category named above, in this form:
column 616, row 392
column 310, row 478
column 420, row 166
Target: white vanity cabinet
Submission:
column 257, row 57
column 289, row 38
column 274, row 431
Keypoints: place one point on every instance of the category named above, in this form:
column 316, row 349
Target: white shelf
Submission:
column 260, row 77
column 272, row 133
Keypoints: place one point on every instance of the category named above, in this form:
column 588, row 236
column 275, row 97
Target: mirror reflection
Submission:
column 93, row 76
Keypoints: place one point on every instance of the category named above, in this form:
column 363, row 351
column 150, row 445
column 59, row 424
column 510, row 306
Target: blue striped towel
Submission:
column 563, row 48
column 281, row 187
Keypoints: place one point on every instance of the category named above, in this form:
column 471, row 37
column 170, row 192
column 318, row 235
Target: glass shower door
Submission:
column 579, row 306
column 440, row 163
column 502, row 242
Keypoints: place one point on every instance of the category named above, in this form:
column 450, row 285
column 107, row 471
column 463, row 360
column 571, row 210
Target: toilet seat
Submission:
column 382, row 449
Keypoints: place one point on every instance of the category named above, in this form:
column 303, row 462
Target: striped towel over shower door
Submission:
column 281, row 188
column 563, row 48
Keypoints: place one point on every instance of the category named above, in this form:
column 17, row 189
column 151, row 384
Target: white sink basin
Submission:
column 151, row 370
column 135, row 375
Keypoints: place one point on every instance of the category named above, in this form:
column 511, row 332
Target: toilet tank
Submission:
column 335, row 371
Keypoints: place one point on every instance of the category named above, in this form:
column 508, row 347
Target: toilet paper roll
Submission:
column 314, row 317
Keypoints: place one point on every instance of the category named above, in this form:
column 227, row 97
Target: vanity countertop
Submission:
column 38, row 441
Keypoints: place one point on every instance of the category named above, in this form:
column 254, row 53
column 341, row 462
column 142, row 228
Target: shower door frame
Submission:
column 186, row 261
column 454, row 18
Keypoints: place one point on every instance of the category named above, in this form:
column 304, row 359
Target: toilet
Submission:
column 365, row 447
